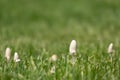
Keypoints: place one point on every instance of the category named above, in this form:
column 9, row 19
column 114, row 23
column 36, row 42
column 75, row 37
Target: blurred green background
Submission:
column 46, row 23
column 56, row 22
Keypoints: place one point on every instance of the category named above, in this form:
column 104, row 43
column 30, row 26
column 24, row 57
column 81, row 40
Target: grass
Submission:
column 38, row 29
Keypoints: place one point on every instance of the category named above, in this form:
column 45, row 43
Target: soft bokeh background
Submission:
column 51, row 20
column 33, row 26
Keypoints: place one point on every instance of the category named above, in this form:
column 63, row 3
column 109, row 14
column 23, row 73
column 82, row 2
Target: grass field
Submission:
column 37, row 29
